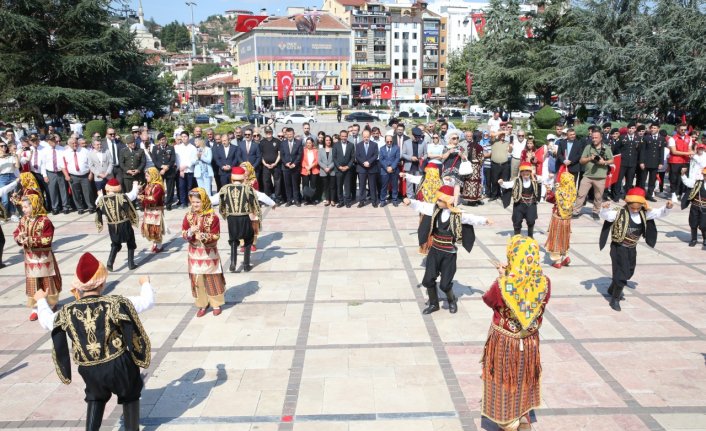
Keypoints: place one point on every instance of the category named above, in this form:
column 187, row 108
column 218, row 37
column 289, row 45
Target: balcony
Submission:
column 430, row 83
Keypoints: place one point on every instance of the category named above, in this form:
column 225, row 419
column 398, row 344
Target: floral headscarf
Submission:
column 250, row 177
column 565, row 195
column 205, row 200
column 28, row 181
column 37, row 205
column 430, row 184
column 524, row 286
column 155, row 177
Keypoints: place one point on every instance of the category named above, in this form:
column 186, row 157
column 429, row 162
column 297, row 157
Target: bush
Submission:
column 546, row 117
column 134, row 119
column 165, row 126
column 582, row 113
column 226, row 127
column 95, row 126
column 540, row 136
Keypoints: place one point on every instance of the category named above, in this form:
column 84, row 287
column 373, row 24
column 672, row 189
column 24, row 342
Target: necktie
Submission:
column 36, row 157
column 366, row 147
column 76, row 161
column 291, row 144
column 247, row 147
column 115, row 155
column 53, row 157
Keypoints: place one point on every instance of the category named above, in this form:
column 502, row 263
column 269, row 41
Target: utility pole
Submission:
column 193, row 40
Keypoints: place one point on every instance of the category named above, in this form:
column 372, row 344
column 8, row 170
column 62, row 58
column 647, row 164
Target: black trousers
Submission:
column 623, row 261
column 370, row 178
column 527, row 212
column 486, row 180
column 329, row 187
column 675, row 183
column 309, row 181
column 45, row 189
column 272, row 179
column 627, row 173
column 439, row 263
column 291, row 184
column 120, row 377
column 343, row 186
column 697, row 217
column 82, row 193
column 498, row 171
column 240, row 227
column 648, row 179
column 170, row 183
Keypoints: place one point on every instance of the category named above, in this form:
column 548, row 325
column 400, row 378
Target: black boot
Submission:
column 530, row 231
column 246, row 259
column 131, row 416
column 453, row 301
column 692, row 243
column 131, row 259
column 94, row 415
column 615, row 304
column 433, row 301
column 2, row 265
column 111, row 258
column 517, row 230
column 703, row 235
column 233, row 256
column 616, row 297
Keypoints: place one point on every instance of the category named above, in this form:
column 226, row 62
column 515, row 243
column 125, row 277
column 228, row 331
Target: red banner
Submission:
column 479, row 22
column 612, row 177
column 366, row 90
column 528, row 26
column 469, row 83
column 429, row 94
column 285, row 81
column 248, row 22
column 386, row 91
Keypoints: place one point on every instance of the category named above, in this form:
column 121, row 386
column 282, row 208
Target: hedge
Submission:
column 95, row 126
column 546, row 117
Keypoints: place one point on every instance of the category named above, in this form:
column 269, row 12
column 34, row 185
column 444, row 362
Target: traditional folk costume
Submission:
column 559, row 234
column 202, row 229
column 121, row 217
column 447, row 225
column 525, row 194
column 472, row 190
column 429, row 184
column 696, row 197
column 511, row 362
column 152, row 200
column 625, row 228
column 108, row 343
column 35, row 234
column 251, row 180
column 27, row 185
column 4, row 190
column 239, row 206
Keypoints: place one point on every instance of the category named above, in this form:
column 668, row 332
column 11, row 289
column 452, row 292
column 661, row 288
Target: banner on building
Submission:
column 366, row 90
column 285, row 82
column 431, row 36
column 247, row 23
column 293, row 47
column 479, row 22
column 386, row 91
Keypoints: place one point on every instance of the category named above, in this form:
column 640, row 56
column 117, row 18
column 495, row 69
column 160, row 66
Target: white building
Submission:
column 406, row 54
column 144, row 39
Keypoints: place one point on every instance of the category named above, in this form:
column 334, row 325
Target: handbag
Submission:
column 465, row 168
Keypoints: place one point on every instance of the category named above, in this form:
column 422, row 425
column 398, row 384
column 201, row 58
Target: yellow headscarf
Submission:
column 37, row 205
column 430, row 184
column 155, row 177
column 524, row 286
column 28, row 181
column 565, row 195
column 205, row 200
column 250, row 177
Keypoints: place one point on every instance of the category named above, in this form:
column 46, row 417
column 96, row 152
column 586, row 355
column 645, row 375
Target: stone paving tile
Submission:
column 682, row 422
column 579, row 423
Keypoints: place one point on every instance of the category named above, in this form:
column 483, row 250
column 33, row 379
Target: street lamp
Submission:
column 193, row 40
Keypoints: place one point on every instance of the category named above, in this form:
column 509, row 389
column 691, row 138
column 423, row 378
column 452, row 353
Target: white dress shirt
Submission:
column 76, row 162
column 427, row 208
column 47, row 157
column 609, row 214
column 185, row 157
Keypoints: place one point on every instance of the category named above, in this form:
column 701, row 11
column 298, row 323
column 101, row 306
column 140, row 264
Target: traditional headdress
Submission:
column 28, row 181
column 565, row 195
column 237, row 174
column 636, row 195
column 201, row 194
column 90, row 274
column 525, row 166
column 155, row 177
column 113, row 186
column 36, row 202
column 524, row 286
column 250, row 176
column 430, row 184
column 446, row 194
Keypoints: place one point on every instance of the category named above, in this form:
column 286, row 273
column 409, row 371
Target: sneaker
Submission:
column 674, row 198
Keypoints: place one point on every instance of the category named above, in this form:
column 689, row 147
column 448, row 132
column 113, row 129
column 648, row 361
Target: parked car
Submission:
column 560, row 111
column 252, row 118
column 202, row 119
column 361, row 116
column 382, row 115
column 298, row 118
column 521, row 115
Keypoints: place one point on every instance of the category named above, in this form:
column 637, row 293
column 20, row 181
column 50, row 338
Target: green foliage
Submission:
column 582, row 113
column 226, row 127
column 95, row 126
column 546, row 117
column 165, row 126
column 540, row 136
column 202, row 70
column 134, row 119
column 175, row 37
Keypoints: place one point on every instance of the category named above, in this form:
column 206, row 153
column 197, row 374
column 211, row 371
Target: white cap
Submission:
column 551, row 136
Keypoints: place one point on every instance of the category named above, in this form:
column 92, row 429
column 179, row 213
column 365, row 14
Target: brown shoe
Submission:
column 566, row 261
column 217, row 311
column 201, row 312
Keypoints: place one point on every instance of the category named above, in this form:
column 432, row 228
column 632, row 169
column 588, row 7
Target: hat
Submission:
column 161, row 135
column 268, row 129
column 113, row 186
column 446, row 194
column 90, row 274
column 614, row 130
column 551, row 137
column 636, row 195
column 417, row 132
column 701, row 147
column 237, row 174
column 135, row 129
column 525, row 166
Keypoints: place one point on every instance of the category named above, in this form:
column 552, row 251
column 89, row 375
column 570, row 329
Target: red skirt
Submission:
column 559, row 235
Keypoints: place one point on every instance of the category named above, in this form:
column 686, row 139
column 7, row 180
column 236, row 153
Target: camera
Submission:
column 600, row 156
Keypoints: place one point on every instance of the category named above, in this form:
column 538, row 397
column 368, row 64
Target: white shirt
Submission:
column 517, row 148
column 494, row 124
column 186, row 157
column 47, row 160
column 609, row 214
column 142, row 303
column 427, row 208
column 81, row 157
column 7, row 164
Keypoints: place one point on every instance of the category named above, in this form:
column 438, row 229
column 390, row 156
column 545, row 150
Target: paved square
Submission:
column 326, row 333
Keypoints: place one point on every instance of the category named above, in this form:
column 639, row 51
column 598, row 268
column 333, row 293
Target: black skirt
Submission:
column 240, row 228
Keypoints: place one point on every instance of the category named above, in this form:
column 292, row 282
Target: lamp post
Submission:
column 191, row 4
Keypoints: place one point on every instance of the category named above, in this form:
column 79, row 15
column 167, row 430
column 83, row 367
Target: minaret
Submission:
column 140, row 13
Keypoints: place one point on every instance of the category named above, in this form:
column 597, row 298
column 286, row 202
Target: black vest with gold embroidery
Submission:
column 237, row 200
column 117, row 208
column 625, row 232
column 698, row 194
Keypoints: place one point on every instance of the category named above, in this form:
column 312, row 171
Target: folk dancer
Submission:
column 427, row 186
column 152, row 200
column 250, row 179
column 121, row 217
column 626, row 225
column 559, row 234
column 27, row 185
column 239, row 206
column 526, row 192
column 696, row 197
column 202, row 229
column 109, row 345
column 511, row 360
column 35, row 234
column 4, row 191
column 448, row 225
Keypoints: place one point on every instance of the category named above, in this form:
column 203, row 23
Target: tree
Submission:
column 202, row 70
column 63, row 56
column 175, row 37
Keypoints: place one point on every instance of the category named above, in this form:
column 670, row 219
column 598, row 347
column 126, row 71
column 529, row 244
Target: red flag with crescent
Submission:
column 248, row 22
column 479, row 22
column 285, row 79
column 386, row 91
column 612, row 177
column 469, row 83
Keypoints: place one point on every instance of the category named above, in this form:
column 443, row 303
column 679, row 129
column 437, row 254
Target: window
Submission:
column 405, row 35
column 397, row 49
column 414, row 35
column 397, row 75
column 404, row 62
column 404, row 75
column 397, row 62
column 443, row 26
column 443, row 52
column 397, row 35
column 441, row 77
column 414, row 49
column 414, row 62
column 414, row 75
column 443, row 39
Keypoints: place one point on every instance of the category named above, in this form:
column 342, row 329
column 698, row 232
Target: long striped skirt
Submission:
column 511, row 376
column 559, row 235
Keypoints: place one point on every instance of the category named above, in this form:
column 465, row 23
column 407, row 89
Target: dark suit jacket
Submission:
column 223, row 158
column 133, row 160
column 389, row 158
column 254, row 156
column 295, row 156
column 165, row 157
column 628, row 150
column 116, row 158
column 371, row 157
column 574, row 156
column 652, row 151
column 341, row 158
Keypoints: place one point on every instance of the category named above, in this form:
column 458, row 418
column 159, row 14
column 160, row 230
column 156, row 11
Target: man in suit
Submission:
column 366, row 156
column 343, row 160
column 132, row 163
column 250, row 151
column 291, row 152
column 226, row 155
column 399, row 136
column 164, row 159
column 628, row 148
column 651, row 158
column 389, row 170
column 413, row 151
column 114, row 146
column 568, row 154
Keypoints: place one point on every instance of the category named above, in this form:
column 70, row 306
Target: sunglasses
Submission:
column 257, row 135
column 435, row 137
column 248, row 134
column 280, row 136
column 520, row 136
column 111, row 134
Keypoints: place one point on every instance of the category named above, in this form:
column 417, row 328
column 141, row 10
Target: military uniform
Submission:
column 628, row 148
column 166, row 156
column 132, row 159
column 651, row 155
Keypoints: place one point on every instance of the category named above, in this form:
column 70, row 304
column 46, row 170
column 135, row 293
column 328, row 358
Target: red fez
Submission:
column 87, row 267
column 113, row 182
column 237, row 171
column 525, row 166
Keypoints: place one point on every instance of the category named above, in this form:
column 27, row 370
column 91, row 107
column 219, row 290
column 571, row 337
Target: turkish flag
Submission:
column 469, row 83
column 528, row 29
column 248, row 22
column 429, row 94
column 285, row 80
column 479, row 22
column 386, row 91
column 612, row 177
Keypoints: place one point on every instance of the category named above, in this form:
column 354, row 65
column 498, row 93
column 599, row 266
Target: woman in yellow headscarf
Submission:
column 35, row 234
column 429, row 184
column 202, row 229
column 152, row 199
column 559, row 233
column 251, row 180
column 511, row 362
column 27, row 185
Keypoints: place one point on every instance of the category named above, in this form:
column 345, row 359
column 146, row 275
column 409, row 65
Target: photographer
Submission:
column 596, row 159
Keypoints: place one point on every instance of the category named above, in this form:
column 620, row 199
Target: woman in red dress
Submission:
column 152, row 199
